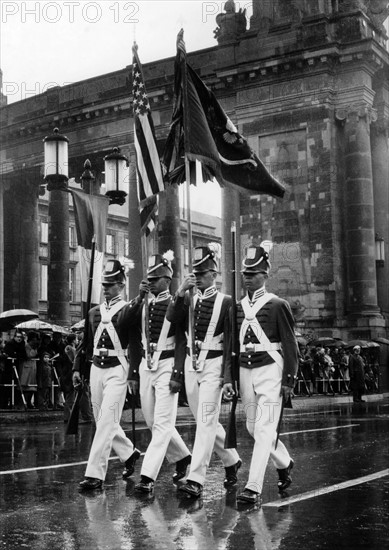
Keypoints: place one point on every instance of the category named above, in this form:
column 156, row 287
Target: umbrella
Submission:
column 78, row 326
column 323, row 341
column 338, row 344
column 11, row 317
column 34, row 324
column 360, row 343
column 57, row 328
column 372, row 345
column 382, row 340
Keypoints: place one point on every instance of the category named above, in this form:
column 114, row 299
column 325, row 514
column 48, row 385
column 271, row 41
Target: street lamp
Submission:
column 117, row 176
column 56, row 177
column 56, row 161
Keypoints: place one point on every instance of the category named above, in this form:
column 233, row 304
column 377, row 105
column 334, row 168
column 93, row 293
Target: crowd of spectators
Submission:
column 329, row 371
column 36, row 372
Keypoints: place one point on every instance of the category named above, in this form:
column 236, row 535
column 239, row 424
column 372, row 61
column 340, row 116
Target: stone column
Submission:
column 359, row 214
column 58, row 273
column 380, row 163
column 1, row 250
column 29, row 249
column 230, row 212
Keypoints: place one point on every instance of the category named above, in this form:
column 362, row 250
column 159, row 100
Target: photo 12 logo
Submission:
column 55, row 12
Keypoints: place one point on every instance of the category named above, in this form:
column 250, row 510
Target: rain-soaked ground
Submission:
column 339, row 498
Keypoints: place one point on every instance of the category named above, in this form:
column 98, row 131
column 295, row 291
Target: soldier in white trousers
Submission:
column 110, row 328
column 160, row 379
column 204, row 366
column 268, row 367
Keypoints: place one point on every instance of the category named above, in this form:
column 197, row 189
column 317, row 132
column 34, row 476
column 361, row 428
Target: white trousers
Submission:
column 204, row 392
column 108, row 393
column 260, row 389
column 159, row 408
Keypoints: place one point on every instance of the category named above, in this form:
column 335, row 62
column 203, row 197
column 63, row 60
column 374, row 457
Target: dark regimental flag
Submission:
column 148, row 165
column 201, row 130
column 90, row 213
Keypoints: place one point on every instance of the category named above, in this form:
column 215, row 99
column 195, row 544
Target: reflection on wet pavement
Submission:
column 41, row 507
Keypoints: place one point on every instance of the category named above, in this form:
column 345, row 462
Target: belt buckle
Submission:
column 249, row 347
column 153, row 347
column 103, row 352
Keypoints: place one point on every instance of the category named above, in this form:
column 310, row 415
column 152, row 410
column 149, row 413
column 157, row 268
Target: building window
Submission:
column 110, row 244
column 44, row 232
column 72, row 237
column 72, row 285
column 43, row 282
column 126, row 247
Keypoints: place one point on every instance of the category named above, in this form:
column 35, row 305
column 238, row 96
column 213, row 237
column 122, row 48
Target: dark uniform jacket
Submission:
column 157, row 313
column 276, row 320
column 203, row 310
column 125, row 323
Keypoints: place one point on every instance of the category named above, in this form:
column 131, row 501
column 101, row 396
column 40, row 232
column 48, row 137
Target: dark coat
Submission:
column 357, row 372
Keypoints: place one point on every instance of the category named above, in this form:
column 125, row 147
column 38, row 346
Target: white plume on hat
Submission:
column 127, row 263
column 168, row 255
column 267, row 245
column 216, row 249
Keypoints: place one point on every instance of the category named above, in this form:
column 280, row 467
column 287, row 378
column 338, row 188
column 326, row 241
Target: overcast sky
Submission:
column 50, row 43
column 57, row 42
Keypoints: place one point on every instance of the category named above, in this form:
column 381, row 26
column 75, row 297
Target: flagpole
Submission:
column 146, row 300
column 186, row 127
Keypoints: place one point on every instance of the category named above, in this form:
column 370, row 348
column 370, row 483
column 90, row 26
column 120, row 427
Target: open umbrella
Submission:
column 11, row 317
column 323, row 341
column 360, row 343
column 57, row 328
column 338, row 344
column 34, row 324
column 382, row 340
column 78, row 326
column 373, row 345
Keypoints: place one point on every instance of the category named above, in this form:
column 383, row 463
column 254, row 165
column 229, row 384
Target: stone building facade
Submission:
column 307, row 82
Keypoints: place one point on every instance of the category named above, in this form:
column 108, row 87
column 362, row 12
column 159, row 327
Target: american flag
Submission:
column 150, row 179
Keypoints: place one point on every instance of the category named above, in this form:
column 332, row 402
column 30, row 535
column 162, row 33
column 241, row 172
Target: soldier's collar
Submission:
column 113, row 301
column 208, row 292
column 162, row 296
column 257, row 294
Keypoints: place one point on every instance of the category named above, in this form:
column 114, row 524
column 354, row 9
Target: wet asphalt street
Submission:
column 339, row 498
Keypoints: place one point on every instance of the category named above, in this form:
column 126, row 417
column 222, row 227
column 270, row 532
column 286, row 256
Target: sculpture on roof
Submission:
column 231, row 24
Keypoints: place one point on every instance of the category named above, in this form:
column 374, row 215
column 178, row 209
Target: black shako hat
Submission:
column 206, row 258
column 160, row 265
column 113, row 273
column 257, row 258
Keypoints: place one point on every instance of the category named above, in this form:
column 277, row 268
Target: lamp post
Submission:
column 56, row 177
column 116, row 176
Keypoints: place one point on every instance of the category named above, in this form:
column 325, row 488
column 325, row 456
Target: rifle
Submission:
column 230, row 441
column 72, row 425
column 12, row 359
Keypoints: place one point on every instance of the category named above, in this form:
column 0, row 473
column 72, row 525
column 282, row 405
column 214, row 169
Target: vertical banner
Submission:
column 91, row 213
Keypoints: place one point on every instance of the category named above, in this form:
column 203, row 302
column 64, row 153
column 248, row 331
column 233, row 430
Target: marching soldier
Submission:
column 268, row 368
column 111, row 325
column 204, row 366
column 160, row 379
